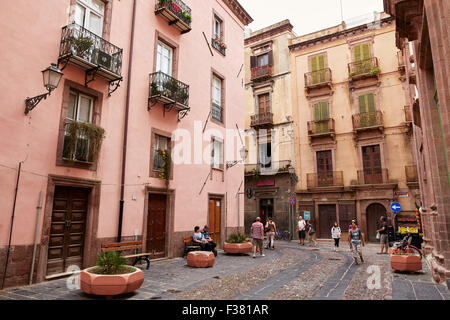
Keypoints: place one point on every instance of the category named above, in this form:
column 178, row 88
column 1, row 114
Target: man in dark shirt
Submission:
column 211, row 242
column 383, row 231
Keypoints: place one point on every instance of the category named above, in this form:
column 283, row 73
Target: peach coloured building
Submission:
column 139, row 77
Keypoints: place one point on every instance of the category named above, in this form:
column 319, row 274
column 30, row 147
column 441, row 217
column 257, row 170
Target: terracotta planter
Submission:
column 406, row 262
column 241, row 248
column 110, row 285
column 200, row 259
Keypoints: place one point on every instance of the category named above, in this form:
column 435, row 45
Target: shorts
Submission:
column 302, row 234
column 384, row 239
column 257, row 243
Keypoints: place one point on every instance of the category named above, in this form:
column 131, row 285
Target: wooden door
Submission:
column 264, row 103
column 372, row 164
column 67, row 230
column 327, row 218
column 214, row 222
column 373, row 214
column 324, row 168
column 156, row 226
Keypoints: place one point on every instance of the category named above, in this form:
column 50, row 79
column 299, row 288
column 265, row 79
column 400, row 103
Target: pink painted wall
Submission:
column 32, row 46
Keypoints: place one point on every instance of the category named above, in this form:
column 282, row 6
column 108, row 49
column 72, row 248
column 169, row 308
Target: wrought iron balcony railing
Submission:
column 262, row 119
column 87, row 50
column 82, row 142
column 366, row 120
column 320, row 127
column 176, row 12
column 271, row 167
column 317, row 78
column 219, row 45
column 325, row 179
column 261, row 72
column 411, row 174
column 169, row 91
column 368, row 67
column 373, row 176
column 217, row 112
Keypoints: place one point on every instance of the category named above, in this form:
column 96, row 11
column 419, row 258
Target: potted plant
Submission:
column 405, row 260
column 237, row 243
column 375, row 71
column 111, row 276
column 187, row 18
column 165, row 166
column 81, row 44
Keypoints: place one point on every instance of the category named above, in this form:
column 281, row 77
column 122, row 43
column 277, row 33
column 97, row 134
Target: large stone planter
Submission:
column 200, row 259
column 110, row 285
column 410, row 262
column 237, row 248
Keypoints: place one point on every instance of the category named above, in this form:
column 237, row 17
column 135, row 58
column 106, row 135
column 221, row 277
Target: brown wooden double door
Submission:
column 214, row 219
column 156, row 226
column 327, row 218
column 371, row 156
column 324, row 168
column 373, row 214
column 67, row 230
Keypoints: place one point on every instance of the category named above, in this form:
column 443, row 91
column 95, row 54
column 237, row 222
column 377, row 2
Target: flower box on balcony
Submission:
column 176, row 12
column 219, row 45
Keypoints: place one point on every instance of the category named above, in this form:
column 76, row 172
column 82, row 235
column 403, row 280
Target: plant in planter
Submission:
column 165, row 166
column 375, row 71
column 237, row 244
column 182, row 96
column 155, row 90
column 81, row 44
column 110, row 276
column 186, row 17
column 405, row 260
column 83, row 141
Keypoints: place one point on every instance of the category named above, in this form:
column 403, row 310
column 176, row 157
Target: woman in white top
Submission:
column 336, row 235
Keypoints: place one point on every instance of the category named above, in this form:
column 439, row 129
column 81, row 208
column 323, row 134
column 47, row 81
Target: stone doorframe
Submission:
column 91, row 246
column 170, row 218
column 363, row 205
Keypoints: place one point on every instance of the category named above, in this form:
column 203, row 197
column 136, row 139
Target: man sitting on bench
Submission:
column 199, row 238
column 207, row 236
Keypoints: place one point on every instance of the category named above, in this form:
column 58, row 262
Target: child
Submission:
column 336, row 235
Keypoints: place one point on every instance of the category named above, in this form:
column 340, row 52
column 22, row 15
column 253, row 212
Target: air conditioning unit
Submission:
column 104, row 60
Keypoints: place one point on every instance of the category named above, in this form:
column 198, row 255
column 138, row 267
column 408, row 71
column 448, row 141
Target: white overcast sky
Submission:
column 307, row 15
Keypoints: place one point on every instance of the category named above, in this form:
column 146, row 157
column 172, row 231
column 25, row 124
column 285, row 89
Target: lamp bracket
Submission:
column 31, row 103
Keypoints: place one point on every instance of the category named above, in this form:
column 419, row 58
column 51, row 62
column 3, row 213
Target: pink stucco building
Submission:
column 152, row 75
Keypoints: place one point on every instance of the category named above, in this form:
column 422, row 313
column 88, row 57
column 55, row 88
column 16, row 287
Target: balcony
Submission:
column 321, row 128
column 326, row 179
column 317, row 80
column 217, row 112
column 273, row 167
column 170, row 92
column 412, row 177
column 362, row 73
column 262, row 119
column 219, row 45
column 261, row 73
column 86, row 50
column 367, row 121
column 373, row 176
column 82, row 142
column 176, row 12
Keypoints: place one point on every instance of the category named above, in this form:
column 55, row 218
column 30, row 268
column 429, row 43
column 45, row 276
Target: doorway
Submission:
column 327, row 218
column 156, row 225
column 265, row 210
column 373, row 213
column 67, row 229
column 214, row 219
column 372, row 164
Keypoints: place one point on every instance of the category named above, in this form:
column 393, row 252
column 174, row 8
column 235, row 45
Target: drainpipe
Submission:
column 125, row 130
column 11, row 228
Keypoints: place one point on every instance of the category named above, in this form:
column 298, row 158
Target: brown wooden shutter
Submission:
column 270, row 54
column 253, row 62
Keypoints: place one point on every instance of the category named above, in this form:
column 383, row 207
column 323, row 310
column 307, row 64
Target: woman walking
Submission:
column 271, row 229
column 356, row 240
column 336, row 235
column 311, row 233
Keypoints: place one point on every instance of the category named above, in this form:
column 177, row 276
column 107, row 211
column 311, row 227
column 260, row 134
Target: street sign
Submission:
column 307, row 215
column 396, row 207
column 293, row 201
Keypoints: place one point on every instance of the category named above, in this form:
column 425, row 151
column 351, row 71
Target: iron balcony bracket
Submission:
column 65, row 61
column 182, row 114
column 115, row 84
column 90, row 73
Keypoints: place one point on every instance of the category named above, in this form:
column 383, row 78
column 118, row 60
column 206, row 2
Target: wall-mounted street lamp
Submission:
column 243, row 153
column 51, row 77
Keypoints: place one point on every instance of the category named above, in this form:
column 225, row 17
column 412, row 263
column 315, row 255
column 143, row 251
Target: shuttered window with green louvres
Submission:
column 321, row 117
column 317, row 64
column 362, row 58
column 367, row 110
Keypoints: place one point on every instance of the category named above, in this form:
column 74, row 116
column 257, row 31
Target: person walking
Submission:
column 301, row 229
column 383, row 231
column 311, row 233
column 356, row 239
column 336, row 235
column 257, row 231
column 270, row 230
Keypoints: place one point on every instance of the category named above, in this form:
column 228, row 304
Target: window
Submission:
column 79, row 110
column 161, row 144
column 264, row 103
column 217, row 154
column 217, row 28
column 263, row 60
column 265, row 155
column 164, row 58
column 367, row 110
column 90, row 15
column 317, row 67
column 217, row 98
column 324, row 168
column 321, row 117
column 361, row 52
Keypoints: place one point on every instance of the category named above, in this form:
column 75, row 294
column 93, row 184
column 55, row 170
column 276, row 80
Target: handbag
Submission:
column 378, row 235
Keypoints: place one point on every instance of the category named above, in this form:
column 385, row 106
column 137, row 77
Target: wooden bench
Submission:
column 190, row 245
column 123, row 246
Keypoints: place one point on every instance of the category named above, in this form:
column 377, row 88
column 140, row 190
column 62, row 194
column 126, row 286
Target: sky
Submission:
column 307, row 15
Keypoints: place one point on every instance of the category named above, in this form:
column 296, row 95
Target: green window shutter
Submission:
column 357, row 53
column 362, row 103
column 324, row 114
column 316, row 107
column 314, row 64
column 371, row 102
column 366, row 51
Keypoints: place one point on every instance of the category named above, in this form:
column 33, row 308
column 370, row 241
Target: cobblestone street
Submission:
column 290, row 272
